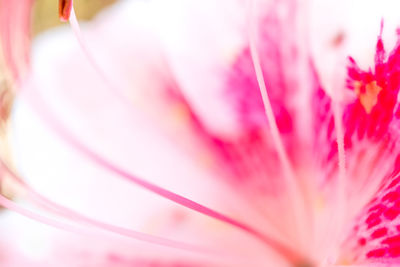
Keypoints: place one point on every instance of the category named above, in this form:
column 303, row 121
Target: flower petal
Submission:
column 86, row 107
column 372, row 120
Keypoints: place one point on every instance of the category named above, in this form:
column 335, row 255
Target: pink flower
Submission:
column 202, row 133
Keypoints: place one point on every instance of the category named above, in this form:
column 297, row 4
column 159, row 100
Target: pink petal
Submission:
column 371, row 117
column 83, row 104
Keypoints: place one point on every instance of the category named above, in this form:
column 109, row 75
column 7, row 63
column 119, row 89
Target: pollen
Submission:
column 367, row 94
column 64, row 9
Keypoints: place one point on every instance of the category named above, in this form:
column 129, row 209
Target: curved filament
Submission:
column 53, row 207
column 296, row 199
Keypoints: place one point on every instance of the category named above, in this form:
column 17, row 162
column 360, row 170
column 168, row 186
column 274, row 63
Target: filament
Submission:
column 82, row 43
column 49, row 205
column 297, row 202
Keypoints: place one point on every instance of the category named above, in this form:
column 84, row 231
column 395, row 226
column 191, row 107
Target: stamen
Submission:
column 297, row 201
column 64, row 9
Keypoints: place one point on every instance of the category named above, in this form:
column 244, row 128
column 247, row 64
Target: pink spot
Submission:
column 362, row 241
column 394, row 251
column 391, row 213
column 395, row 181
column 378, row 208
column 393, row 240
column 376, row 253
column 391, row 196
column 373, row 220
column 379, row 233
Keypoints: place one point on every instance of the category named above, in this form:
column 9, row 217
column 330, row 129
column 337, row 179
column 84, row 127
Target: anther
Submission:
column 64, row 9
